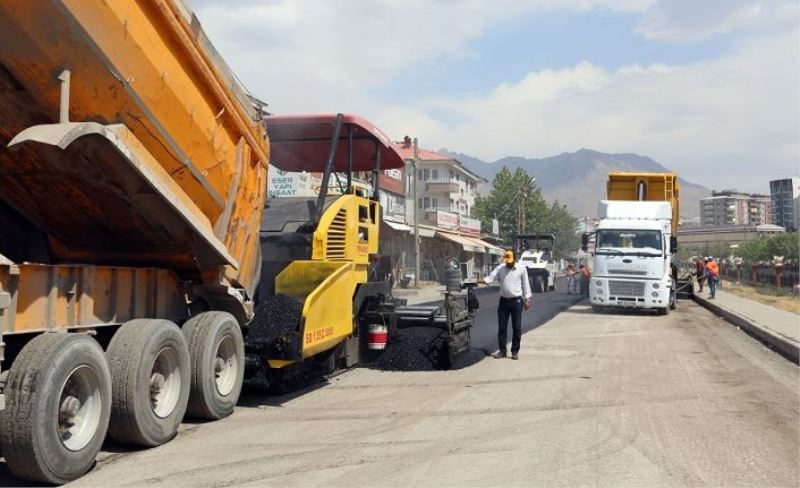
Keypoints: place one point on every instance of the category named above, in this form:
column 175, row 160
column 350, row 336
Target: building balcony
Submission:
column 442, row 186
column 442, row 209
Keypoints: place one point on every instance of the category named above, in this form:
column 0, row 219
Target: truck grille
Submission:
column 337, row 236
column 629, row 272
column 626, row 288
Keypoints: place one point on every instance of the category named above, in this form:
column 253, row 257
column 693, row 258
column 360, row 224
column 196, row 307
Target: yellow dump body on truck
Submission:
column 132, row 181
column 156, row 158
column 146, row 66
column 651, row 187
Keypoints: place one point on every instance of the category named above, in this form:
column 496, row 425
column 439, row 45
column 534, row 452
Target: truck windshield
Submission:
column 629, row 239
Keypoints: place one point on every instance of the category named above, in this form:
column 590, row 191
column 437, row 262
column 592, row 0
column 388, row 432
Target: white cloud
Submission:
column 319, row 55
column 730, row 122
column 715, row 121
column 687, row 21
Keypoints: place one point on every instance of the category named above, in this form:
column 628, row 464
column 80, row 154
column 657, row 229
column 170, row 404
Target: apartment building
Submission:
column 445, row 185
column 729, row 207
column 785, row 198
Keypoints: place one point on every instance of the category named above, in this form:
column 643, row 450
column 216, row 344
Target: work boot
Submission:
column 499, row 354
column 514, row 356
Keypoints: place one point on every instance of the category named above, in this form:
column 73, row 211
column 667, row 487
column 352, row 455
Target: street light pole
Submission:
column 416, row 217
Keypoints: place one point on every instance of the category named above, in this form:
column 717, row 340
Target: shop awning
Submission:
column 465, row 242
column 398, row 226
column 490, row 248
column 424, row 231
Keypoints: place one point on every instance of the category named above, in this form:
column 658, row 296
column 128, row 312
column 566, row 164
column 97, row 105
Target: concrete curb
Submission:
column 783, row 346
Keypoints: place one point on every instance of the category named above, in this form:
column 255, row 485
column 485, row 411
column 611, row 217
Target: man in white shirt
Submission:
column 515, row 294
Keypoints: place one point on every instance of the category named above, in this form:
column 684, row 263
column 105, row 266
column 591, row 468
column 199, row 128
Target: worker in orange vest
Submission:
column 712, row 271
column 586, row 273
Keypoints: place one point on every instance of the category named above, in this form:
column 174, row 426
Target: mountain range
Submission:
column 578, row 179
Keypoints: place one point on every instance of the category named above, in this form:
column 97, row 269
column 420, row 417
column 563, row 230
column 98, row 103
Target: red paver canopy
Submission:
column 301, row 143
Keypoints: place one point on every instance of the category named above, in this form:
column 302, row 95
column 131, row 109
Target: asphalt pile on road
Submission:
column 276, row 318
column 421, row 349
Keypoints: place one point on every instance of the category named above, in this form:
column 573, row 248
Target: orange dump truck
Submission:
column 132, row 180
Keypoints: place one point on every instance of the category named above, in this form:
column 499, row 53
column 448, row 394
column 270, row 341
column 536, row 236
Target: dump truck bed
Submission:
column 163, row 161
column 652, row 187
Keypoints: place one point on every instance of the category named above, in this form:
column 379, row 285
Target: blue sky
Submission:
column 550, row 40
column 709, row 89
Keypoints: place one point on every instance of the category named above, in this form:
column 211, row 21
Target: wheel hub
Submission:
column 219, row 365
column 70, row 406
column 157, row 382
column 225, row 367
column 79, row 408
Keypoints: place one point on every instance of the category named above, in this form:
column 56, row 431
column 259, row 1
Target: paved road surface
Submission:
column 545, row 306
column 609, row 400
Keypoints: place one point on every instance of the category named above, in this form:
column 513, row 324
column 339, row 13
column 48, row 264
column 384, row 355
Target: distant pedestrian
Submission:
column 712, row 272
column 586, row 274
column 700, row 272
column 572, row 280
column 515, row 294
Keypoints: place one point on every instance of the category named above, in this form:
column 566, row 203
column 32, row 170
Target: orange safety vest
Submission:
column 713, row 269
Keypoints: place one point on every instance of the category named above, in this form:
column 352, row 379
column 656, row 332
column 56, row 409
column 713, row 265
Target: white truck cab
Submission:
column 633, row 256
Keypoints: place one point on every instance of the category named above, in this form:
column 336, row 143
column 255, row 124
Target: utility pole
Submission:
column 416, row 216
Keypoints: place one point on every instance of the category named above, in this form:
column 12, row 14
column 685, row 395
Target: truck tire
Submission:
column 149, row 363
column 216, row 358
column 58, row 402
column 663, row 311
column 538, row 284
column 598, row 309
column 673, row 295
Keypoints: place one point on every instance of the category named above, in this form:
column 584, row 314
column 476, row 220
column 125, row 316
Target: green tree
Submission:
column 515, row 197
column 766, row 247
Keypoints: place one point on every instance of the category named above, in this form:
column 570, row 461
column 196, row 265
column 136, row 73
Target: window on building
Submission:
column 458, row 177
column 419, row 174
column 427, row 202
column 435, row 174
column 435, row 202
column 419, row 203
column 426, row 174
column 451, row 174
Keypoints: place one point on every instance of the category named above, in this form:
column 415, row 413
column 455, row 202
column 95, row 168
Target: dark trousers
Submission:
column 712, row 285
column 509, row 307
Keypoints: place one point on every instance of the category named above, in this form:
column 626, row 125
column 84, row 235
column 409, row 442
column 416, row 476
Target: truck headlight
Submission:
column 656, row 286
column 598, row 283
column 655, row 294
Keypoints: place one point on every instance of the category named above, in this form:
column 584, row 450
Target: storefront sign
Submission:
column 470, row 226
column 391, row 180
column 447, row 220
column 291, row 183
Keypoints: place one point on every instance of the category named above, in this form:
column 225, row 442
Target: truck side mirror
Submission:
column 585, row 241
column 673, row 244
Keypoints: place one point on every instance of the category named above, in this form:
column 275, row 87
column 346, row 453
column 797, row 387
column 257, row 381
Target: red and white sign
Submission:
column 470, row 227
column 447, row 220
column 391, row 180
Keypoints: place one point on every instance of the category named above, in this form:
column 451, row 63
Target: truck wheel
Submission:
column 150, row 381
column 663, row 311
column 216, row 357
column 538, row 284
column 673, row 295
column 598, row 309
column 58, row 402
